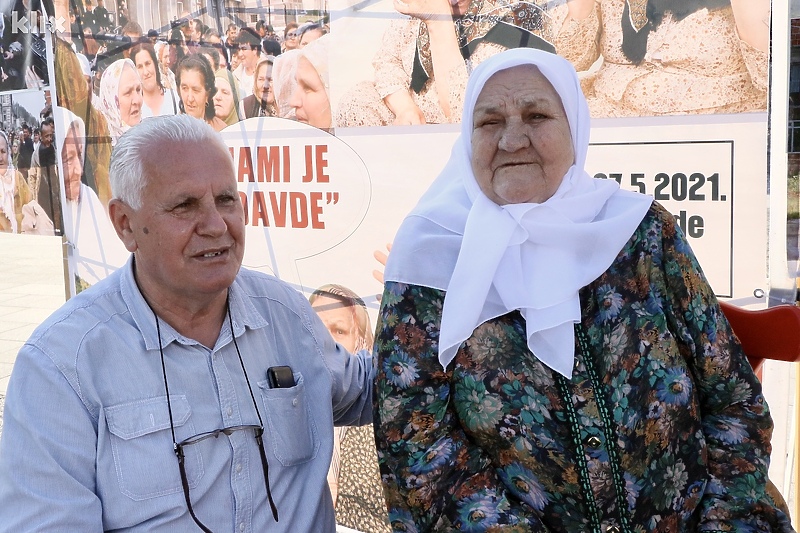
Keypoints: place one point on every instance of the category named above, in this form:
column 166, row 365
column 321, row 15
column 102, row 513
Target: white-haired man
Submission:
column 181, row 393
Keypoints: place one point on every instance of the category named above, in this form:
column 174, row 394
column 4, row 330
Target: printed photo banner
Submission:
column 322, row 203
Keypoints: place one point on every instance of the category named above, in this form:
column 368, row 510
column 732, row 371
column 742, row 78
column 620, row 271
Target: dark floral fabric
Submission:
column 662, row 428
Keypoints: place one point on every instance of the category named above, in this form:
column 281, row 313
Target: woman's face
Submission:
column 14, row 149
column 339, row 319
column 130, row 96
column 223, row 99
column 264, row 89
column 309, row 98
column 310, row 36
column 193, row 93
column 521, row 142
column 3, row 154
column 147, row 71
column 72, row 166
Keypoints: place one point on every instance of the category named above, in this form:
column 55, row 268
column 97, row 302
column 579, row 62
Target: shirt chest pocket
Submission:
column 142, row 446
column 290, row 424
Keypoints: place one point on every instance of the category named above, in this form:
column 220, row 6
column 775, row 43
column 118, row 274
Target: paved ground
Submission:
column 31, row 287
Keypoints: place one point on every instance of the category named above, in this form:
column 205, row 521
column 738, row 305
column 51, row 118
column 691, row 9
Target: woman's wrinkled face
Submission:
column 193, row 93
column 223, row 99
column 147, row 71
column 130, row 96
column 521, row 142
column 72, row 165
column 309, row 97
column 3, row 154
column 264, row 83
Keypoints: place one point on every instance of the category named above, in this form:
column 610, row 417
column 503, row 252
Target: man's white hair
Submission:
column 128, row 167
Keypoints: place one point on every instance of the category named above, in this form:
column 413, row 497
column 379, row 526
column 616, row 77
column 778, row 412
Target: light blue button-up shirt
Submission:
column 86, row 443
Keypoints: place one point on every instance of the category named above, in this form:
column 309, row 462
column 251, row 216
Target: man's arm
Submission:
column 47, row 452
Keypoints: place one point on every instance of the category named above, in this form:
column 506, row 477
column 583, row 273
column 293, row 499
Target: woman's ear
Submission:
column 121, row 215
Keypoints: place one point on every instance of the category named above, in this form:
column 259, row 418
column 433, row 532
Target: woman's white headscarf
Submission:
column 109, row 97
column 493, row 259
column 8, row 185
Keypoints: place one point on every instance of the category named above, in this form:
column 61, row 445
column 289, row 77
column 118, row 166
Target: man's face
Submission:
column 25, row 133
column 188, row 235
column 47, row 135
column 36, row 136
column 72, row 166
column 231, row 34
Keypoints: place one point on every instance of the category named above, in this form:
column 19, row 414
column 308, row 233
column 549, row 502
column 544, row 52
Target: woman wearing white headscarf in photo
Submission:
column 14, row 190
column 121, row 97
column 283, row 81
column 550, row 356
column 311, row 95
column 95, row 250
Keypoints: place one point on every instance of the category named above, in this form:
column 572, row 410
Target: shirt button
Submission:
column 594, row 442
column 294, row 402
column 239, row 467
column 613, row 529
column 241, row 526
column 229, row 411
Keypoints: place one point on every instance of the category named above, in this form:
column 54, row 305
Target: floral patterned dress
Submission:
column 662, row 428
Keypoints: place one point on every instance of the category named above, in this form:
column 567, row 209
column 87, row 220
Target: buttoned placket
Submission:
column 232, row 401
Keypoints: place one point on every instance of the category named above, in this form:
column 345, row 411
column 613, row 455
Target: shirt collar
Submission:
column 243, row 313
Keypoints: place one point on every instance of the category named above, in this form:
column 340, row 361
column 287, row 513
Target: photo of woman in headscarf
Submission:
column 262, row 102
column 422, row 64
column 283, row 81
column 14, row 190
column 121, row 97
column 226, row 99
column 311, row 98
column 353, row 477
column 662, row 57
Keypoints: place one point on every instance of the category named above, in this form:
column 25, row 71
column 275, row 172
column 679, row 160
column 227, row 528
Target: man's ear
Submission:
column 120, row 214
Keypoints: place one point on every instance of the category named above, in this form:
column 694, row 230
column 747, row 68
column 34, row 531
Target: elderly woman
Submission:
column 226, row 99
column 283, row 81
column 196, row 89
column 353, row 477
column 14, row 190
column 121, row 97
column 310, row 99
column 550, row 356
column 262, row 102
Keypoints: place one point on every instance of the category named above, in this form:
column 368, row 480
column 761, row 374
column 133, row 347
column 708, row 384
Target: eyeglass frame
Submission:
column 178, row 446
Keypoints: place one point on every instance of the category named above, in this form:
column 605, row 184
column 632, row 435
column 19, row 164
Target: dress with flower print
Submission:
column 662, row 427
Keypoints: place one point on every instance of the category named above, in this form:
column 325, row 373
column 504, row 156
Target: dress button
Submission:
column 613, row 529
column 594, row 442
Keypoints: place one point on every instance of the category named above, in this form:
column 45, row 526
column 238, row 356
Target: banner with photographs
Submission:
column 679, row 101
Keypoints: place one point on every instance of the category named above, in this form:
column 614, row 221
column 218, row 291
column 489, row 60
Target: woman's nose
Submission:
column 514, row 136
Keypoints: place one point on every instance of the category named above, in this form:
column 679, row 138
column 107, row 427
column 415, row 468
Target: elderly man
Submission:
column 182, row 393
